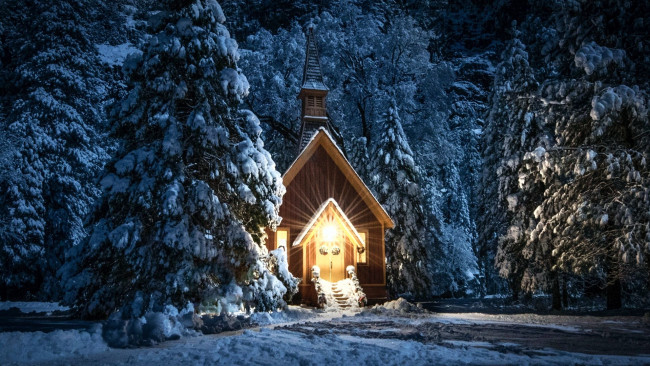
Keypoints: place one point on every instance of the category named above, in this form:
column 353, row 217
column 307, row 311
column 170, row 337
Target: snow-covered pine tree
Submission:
column 450, row 227
column 579, row 199
column 396, row 179
column 450, row 191
column 508, row 128
column 594, row 215
column 513, row 128
column 188, row 197
column 494, row 221
column 53, row 119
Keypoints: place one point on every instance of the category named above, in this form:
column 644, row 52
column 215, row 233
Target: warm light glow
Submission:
column 329, row 233
column 281, row 238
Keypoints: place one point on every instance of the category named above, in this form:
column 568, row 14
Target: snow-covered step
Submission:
column 341, row 294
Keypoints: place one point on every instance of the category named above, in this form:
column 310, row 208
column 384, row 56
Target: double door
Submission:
column 330, row 258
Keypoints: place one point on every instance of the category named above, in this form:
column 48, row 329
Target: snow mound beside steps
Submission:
column 396, row 307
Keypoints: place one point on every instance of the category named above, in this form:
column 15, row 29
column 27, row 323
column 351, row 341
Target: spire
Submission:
column 312, row 77
column 313, row 94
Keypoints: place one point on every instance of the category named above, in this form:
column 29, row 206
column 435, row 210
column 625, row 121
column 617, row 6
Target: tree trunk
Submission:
column 565, row 293
column 647, row 264
column 515, row 287
column 556, row 297
column 614, row 294
column 365, row 129
column 613, row 289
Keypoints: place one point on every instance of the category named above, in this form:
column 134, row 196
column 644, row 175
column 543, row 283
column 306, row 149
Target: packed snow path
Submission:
column 395, row 334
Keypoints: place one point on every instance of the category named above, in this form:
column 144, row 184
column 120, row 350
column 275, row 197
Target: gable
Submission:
column 329, row 213
column 323, row 140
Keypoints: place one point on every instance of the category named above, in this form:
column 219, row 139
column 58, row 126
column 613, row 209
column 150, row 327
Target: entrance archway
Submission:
column 331, row 242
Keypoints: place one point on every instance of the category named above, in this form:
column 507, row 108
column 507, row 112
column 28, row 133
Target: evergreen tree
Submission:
column 573, row 168
column 396, row 180
column 593, row 218
column 52, row 122
column 510, row 122
column 450, row 227
column 451, row 186
column 188, row 197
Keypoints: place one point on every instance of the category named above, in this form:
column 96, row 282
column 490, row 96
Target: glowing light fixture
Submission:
column 329, row 233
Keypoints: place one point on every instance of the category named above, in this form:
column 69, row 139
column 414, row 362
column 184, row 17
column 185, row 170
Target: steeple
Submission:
column 313, row 94
column 312, row 76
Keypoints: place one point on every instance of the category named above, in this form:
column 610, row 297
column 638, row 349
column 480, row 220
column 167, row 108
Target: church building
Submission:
column 330, row 219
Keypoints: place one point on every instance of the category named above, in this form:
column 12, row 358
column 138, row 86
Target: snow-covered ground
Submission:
column 396, row 334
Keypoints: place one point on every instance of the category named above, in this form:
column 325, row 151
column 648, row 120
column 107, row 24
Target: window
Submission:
column 362, row 252
column 319, row 102
column 281, row 238
column 311, row 101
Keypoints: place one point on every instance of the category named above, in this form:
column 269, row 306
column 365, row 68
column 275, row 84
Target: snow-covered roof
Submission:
column 330, row 202
column 314, row 85
column 323, row 138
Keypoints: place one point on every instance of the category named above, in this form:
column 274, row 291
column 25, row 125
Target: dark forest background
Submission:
column 522, row 132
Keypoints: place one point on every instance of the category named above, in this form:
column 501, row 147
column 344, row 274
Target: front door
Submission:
column 330, row 259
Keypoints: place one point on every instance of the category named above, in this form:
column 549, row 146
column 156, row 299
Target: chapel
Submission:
column 332, row 226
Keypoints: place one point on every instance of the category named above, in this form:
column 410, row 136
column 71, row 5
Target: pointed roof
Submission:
column 329, row 206
column 322, row 138
column 312, row 76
